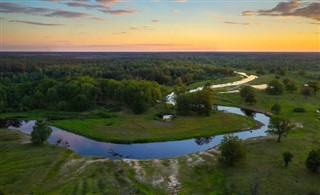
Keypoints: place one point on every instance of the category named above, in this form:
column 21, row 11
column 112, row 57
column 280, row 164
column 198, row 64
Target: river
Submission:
column 154, row 150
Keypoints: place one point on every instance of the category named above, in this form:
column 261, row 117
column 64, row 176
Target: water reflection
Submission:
column 87, row 147
column 203, row 140
column 10, row 123
column 248, row 112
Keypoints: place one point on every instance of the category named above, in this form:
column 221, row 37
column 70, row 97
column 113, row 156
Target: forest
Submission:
column 97, row 123
column 79, row 81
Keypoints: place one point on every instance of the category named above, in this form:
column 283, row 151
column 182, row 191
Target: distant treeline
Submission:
column 79, row 81
column 80, row 94
column 165, row 72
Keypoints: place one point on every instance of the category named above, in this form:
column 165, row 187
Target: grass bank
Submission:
column 264, row 161
column 131, row 128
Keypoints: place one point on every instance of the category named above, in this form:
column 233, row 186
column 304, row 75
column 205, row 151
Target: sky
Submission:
column 160, row 25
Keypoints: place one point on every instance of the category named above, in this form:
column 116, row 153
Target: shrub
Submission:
column 232, row 150
column 275, row 88
column 287, row 157
column 313, row 161
column 248, row 93
column 40, row 133
column 299, row 110
column 276, row 108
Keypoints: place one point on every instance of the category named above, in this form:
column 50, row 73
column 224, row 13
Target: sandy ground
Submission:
column 246, row 78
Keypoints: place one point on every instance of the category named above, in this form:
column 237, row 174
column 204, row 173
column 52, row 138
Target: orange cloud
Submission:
column 247, row 13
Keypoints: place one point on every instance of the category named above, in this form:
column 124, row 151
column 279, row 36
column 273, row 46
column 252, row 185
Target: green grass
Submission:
column 131, row 128
column 47, row 169
column 264, row 162
column 98, row 112
column 26, row 169
column 264, row 159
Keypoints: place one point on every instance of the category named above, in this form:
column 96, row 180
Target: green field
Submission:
column 131, row 128
column 54, row 170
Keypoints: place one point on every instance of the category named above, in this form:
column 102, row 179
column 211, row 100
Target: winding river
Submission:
column 88, row 147
column 170, row 98
column 153, row 150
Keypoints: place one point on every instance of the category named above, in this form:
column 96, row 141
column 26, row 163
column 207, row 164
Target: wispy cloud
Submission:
column 140, row 28
column 97, row 18
column 247, row 13
column 85, row 5
column 119, row 12
column 35, row 23
column 238, row 23
column 120, row 33
column 66, row 14
column 155, row 21
column 292, row 8
column 17, row 8
column 107, row 1
column 98, row 1
column 315, row 23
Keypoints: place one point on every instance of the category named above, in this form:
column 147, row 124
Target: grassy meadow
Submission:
column 54, row 170
column 131, row 128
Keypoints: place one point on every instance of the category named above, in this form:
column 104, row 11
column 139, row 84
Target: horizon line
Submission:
column 169, row 51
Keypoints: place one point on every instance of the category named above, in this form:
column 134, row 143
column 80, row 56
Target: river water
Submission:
column 88, row 147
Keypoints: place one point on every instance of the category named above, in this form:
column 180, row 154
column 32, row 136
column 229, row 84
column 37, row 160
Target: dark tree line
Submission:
column 79, row 94
column 166, row 72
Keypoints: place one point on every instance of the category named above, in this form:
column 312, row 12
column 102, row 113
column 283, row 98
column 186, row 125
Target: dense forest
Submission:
column 73, row 84
column 80, row 81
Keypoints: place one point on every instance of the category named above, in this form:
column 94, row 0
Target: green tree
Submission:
column 80, row 103
column 287, row 157
column 232, row 150
column 195, row 103
column 139, row 105
column 2, row 99
column 315, row 85
column 276, row 108
column 282, row 71
column 290, row 85
column 279, row 126
column 40, row 133
column 248, row 93
column 307, row 91
column 275, row 88
column 313, row 161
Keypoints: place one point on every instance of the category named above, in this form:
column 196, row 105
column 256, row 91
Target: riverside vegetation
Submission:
column 60, row 171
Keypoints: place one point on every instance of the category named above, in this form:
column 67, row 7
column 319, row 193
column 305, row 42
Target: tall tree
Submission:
column 275, row 88
column 232, row 150
column 307, row 91
column 40, row 133
column 248, row 93
column 290, row 85
column 313, row 161
column 276, row 108
column 279, row 126
column 315, row 85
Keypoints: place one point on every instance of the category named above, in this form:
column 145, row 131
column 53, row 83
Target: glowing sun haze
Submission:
column 168, row 25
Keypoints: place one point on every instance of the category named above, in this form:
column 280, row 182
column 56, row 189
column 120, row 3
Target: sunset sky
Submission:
column 171, row 25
